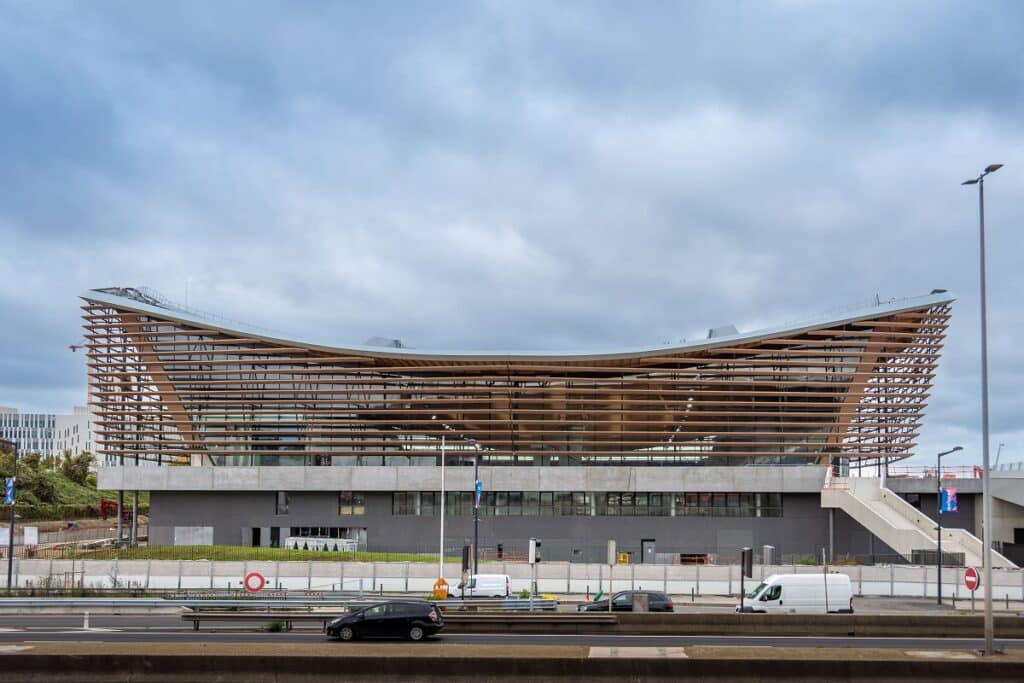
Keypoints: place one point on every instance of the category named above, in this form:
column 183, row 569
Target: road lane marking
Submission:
column 940, row 654
column 637, row 652
column 5, row 649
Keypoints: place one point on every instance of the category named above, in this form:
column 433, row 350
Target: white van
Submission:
column 487, row 586
column 800, row 594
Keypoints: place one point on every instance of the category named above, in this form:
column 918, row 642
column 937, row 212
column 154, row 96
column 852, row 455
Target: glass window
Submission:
column 500, row 503
column 427, row 503
column 581, row 503
column 281, row 506
column 515, row 503
column 611, row 502
column 746, row 505
column 640, row 501
column 718, row 505
column 345, row 503
column 657, row 505
column 704, row 504
column 563, row 503
column 547, row 505
column 531, row 503
column 358, row 504
column 626, row 507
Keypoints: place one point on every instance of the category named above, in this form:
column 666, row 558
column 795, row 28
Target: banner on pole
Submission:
column 478, row 491
column 8, row 490
column 949, row 500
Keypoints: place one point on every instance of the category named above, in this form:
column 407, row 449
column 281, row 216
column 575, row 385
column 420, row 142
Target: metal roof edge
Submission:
column 887, row 308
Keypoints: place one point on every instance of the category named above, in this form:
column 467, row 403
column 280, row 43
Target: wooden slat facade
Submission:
column 168, row 388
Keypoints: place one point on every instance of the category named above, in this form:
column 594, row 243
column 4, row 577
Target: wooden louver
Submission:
column 168, row 386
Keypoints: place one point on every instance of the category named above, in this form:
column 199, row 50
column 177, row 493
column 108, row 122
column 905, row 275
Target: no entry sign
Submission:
column 971, row 579
column 254, row 582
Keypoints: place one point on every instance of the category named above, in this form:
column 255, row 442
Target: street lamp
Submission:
column 986, row 493
column 938, row 559
column 477, row 495
column 440, row 552
column 10, row 538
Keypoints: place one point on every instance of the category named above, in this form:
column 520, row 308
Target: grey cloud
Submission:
column 510, row 175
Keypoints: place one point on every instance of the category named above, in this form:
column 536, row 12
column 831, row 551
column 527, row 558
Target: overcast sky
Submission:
column 513, row 175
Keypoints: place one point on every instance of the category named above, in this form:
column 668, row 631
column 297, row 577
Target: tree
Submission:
column 76, row 467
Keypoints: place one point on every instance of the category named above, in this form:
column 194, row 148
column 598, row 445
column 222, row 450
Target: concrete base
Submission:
column 277, row 663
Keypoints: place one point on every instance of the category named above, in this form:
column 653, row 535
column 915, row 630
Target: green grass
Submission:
column 231, row 553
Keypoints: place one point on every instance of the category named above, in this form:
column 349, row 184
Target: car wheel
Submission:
column 346, row 634
column 416, row 633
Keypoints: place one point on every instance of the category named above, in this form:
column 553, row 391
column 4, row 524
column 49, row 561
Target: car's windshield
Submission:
column 753, row 594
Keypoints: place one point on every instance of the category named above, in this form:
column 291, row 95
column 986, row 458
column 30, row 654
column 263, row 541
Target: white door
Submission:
column 772, row 600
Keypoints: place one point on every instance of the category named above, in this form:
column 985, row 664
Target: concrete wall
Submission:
column 803, row 530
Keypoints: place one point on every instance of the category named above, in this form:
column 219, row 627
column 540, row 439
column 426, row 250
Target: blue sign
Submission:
column 8, row 490
column 948, row 500
column 479, row 489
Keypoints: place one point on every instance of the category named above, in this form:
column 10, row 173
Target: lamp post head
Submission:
column 972, row 181
column 992, row 168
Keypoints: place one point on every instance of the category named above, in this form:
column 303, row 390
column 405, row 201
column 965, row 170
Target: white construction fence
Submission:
column 419, row 578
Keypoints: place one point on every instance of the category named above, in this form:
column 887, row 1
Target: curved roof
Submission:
column 169, row 312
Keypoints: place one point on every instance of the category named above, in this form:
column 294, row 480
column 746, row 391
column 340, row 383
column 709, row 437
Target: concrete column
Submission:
column 120, row 511
column 135, row 519
column 831, row 534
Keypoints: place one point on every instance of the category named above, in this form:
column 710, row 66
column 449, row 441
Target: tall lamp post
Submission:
column 10, row 537
column 986, row 491
column 477, row 495
column 440, row 552
column 938, row 518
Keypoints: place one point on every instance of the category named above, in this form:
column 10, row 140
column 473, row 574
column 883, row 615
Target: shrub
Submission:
column 524, row 594
column 273, row 626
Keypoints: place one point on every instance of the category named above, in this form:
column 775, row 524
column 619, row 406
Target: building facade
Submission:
column 698, row 449
column 49, row 434
column 34, row 432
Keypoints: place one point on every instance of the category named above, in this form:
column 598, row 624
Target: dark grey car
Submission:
column 623, row 602
column 414, row 620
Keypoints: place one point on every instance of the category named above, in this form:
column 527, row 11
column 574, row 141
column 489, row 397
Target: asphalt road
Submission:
column 170, row 629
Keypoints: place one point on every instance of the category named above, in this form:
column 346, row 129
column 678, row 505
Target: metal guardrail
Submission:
column 511, row 604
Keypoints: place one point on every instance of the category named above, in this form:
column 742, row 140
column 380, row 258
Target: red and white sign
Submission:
column 254, row 582
column 971, row 579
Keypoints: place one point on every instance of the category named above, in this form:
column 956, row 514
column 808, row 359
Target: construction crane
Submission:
column 80, row 345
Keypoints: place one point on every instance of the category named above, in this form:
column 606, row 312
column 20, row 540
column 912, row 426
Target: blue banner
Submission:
column 478, row 490
column 8, row 490
column 948, row 500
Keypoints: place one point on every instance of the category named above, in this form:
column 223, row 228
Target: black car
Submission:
column 414, row 620
column 623, row 602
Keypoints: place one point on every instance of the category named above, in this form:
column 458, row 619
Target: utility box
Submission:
column 641, row 602
column 768, row 554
